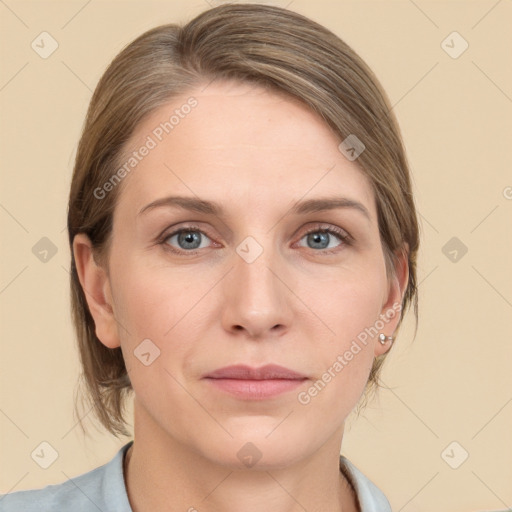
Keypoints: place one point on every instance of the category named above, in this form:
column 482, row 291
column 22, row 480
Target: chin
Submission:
column 255, row 449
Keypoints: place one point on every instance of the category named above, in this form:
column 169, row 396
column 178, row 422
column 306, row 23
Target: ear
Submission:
column 96, row 286
column 392, row 307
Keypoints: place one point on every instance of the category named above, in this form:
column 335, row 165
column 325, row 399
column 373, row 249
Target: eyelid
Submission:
column 330, row 228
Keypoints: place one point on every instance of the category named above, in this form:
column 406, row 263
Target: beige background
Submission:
column 452, row 383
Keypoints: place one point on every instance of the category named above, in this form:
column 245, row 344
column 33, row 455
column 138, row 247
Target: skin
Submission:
column 256, row 153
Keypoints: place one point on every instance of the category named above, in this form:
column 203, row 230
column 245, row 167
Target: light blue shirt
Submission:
column 103, row 490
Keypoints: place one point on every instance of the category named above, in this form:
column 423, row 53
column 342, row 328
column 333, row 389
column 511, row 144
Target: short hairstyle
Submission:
column 266, row 45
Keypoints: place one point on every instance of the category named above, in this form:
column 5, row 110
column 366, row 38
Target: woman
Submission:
column 244, row 242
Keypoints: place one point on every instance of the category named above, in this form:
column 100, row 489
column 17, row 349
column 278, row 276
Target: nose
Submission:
column 257, row 299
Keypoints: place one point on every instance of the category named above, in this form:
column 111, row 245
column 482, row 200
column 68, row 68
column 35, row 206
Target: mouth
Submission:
column 247, row 383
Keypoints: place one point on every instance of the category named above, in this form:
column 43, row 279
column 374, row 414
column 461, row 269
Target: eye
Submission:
column 188, row 239
column 323, row 238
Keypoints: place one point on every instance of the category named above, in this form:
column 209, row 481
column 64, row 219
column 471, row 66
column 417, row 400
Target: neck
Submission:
column 161, row 472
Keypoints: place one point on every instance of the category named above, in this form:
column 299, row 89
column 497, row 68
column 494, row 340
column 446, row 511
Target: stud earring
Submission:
column 383, row 338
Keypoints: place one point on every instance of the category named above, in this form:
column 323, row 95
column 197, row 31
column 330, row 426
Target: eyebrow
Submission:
column 300, row 208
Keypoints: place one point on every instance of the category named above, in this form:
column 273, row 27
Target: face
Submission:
column 249, row 268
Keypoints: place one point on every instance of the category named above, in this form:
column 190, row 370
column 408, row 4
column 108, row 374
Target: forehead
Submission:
column 242, row 142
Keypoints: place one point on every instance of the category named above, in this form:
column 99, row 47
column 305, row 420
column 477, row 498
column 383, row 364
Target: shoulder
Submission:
column 370, row 497
column 100, row 489
column 78, row 494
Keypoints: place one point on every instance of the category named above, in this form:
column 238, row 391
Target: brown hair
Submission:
column 267, row 45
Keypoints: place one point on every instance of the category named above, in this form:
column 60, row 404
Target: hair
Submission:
column 266, row 45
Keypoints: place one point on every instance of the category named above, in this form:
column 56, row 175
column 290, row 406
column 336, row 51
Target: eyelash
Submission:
column 345, row 238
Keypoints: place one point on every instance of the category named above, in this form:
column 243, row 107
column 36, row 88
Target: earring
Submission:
column 383, row 338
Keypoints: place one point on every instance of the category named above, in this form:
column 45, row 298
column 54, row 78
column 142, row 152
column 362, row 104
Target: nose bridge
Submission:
column 256, row 296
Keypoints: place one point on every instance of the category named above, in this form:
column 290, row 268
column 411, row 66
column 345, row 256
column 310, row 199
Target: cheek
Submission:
column 151, row 299
column 344, row 359
column 164, row 306
column 351, row 300
column 350, row 309
column 152, row 313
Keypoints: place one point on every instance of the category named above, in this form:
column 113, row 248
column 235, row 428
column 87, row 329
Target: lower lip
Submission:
column 256, row 389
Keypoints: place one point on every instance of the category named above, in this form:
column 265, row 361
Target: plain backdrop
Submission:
column 450, row 392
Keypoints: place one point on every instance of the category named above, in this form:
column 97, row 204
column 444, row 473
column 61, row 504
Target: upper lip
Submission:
column 243, row 372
